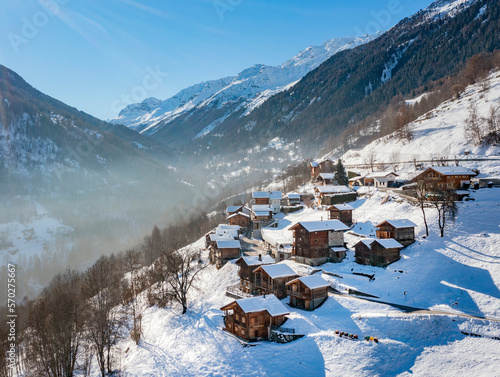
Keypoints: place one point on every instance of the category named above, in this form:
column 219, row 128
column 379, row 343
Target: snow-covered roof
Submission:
column 453, row 170
column 399, row 223
column 293, row 195
column 387, row 243
column 343, row 207
column 277, row 270
column 228, row 244
column 318, row 226
column 354, row 179
column 338, row 249
column 261, row 213
column 220, row 237
column 314, row 164
column 267, row 194
column 333, row 189
column 262, row 207
column 381, row 174
column 238, row 214
column 254, row 260
column 327, row 175
column 312, row 281
column 233, row 209
column 228, row 227
column 270, row 303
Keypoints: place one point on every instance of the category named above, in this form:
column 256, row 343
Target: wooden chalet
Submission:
column 272, row 198
column 320, row 167
column 342, row 212
column 253, row 318
column 240, row 218
column 272, row 279
column 247, row 265
column 402, row 230
column 212, row 238
column 329, row 195
column 439, row 178
column 224, row 251
column 377, row 252
column 293, row 199
column 325, row 179
column 307, row 292
column 318, row 242
column 231, row 210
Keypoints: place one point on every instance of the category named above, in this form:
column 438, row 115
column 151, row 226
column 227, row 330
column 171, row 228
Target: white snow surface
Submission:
column 249, row 89
column 258, row 304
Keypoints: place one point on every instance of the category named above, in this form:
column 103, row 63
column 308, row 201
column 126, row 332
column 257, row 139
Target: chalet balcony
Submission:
column 304, row 295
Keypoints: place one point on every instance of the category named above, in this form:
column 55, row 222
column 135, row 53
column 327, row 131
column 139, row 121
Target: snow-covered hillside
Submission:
column 249, row 89
column 439, row 134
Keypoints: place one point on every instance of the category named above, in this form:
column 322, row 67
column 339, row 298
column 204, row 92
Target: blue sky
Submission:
column 100, row 55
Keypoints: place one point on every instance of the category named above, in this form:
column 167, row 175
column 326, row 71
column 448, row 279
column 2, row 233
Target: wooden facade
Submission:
column 272, row 279
column 240, row 218
column 341, row 212
column 314, row 247
column 325, row 179
column 378, row 253
column 440, row 178
column 246, row 267
column 223, row 251
column 402, row 231
column 253, row 318
column 308, row 292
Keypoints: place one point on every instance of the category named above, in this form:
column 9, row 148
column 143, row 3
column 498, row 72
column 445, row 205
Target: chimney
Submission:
column 260, row 257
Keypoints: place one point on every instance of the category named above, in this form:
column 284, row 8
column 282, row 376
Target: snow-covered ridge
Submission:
column 450, row 8
column 249, row 89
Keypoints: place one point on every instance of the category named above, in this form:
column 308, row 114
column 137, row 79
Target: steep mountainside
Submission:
column 355, row 83
column 218, row 99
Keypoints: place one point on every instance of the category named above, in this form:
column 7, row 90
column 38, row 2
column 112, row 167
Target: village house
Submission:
column 325, row 179
column 262, row 214
column 240, row 218
column 307, row 292
column 402, row 230
column 224, row 251
column 273, row 198
column 383, row 179
column 320, row 167
column 318, row 242
column 342, row 212
column 254, row 318
column 293, row 199
column 212, row 238
column 377, row 252
column 439, row 178
column 272, row 279
column 231, row 210
column 329, row 195
column 246, row 267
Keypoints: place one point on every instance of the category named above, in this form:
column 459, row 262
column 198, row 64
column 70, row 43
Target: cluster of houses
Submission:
column 257, row 310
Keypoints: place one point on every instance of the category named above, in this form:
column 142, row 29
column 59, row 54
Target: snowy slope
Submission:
column 441, row 133
column 249, row 89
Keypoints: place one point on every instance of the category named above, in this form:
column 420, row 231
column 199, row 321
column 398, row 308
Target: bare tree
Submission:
column 370, row 159
column 132, row 263
column 55, row 327
column 103, row 322
column 444, row 202
column 422, row 200
column 473, row 130
column 395, row 158
column 183, row 266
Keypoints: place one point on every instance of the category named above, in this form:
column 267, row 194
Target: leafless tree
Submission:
column 55, row 327
column 422, row 200
column 444, row 202
column 473, row 130
column 183, row 267
column 370, row 159
column 103, row 321
column 132, row 263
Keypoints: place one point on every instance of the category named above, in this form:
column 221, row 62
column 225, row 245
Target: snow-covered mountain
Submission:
column 249, row 89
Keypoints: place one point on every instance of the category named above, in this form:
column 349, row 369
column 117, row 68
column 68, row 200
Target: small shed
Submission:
column 307, row 292
column 342, row 212
column 247, row 265
column 402, row 230
column 253, row 318
column 377, row 252
column 272, row 278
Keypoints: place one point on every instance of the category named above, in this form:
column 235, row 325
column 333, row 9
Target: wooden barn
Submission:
column 320, row 167
column 253, row 318
column 318, row 242
column 377, row 252
column 224, row 251
column 325, row 179
column 402, row 230
column 293, row 199
column 247, row 265
column 307, row 292
column 342, row 212
column 329, row 195
column 240, row 218
column 439, row 178
column 272, row 279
